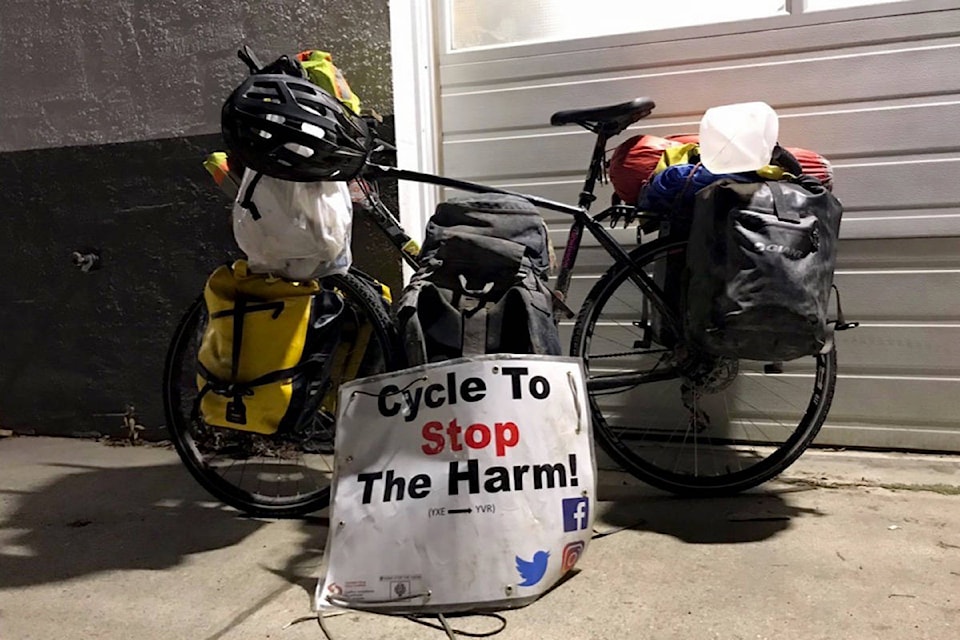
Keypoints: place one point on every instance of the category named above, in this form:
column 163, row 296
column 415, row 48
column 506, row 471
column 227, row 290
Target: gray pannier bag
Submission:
column 760, row 263
column 481, row 287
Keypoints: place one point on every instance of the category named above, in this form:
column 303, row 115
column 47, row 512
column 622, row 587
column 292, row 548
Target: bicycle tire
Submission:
column 633, row 447
column 189, row 436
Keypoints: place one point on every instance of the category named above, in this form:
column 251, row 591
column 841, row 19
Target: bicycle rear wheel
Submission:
column 685, row 421
column 284, row 474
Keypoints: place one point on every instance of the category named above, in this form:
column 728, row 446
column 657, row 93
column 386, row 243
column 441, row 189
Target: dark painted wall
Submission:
column 117, row 103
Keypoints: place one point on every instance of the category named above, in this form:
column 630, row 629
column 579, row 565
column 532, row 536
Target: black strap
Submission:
column 276, row 307
column 235, row 411
column 474, row 333
column 239, row 309
column 783, row 211
column 786, row 160
column 247, row 202
column 473, row 324
column 227, row 388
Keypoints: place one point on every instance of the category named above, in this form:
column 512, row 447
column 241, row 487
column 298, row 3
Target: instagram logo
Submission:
column 571, row 553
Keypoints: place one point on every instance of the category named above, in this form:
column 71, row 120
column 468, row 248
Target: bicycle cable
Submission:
column 444, row 625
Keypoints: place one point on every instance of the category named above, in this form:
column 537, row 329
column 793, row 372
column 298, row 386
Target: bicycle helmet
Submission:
column 291, row 129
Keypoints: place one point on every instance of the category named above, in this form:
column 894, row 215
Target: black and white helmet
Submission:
column 290, row 129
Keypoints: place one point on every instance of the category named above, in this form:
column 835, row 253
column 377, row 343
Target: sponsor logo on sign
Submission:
column 576, row 513
column 400, row 588
column 571, row 554
column 532, row 571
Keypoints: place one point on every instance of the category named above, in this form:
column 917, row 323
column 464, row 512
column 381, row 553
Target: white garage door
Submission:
column 875, row 88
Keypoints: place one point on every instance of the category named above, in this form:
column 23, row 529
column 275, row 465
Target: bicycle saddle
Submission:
column 610, row 120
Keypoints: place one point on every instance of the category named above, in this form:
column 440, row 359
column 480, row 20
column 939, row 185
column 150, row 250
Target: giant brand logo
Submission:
column 790, row 252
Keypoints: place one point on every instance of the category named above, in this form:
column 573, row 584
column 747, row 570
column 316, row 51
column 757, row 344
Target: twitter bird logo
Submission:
column 532, row 570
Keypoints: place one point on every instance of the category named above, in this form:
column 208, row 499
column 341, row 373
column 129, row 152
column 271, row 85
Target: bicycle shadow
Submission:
column 303, row 568
column 90, row 520
column 752, row 516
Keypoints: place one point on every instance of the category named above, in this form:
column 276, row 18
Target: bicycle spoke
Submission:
column 756, row 380
column 726, row 407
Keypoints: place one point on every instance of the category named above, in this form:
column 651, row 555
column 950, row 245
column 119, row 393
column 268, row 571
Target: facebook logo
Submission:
column 575, row 514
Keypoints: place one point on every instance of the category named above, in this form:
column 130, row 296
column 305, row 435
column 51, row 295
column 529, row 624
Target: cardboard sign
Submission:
column 461, row 484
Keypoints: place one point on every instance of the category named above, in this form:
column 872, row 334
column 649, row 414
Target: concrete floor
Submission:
column 118, row 542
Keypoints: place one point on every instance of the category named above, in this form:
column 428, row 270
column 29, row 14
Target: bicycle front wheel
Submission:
column 285, row 474
column 681, row 420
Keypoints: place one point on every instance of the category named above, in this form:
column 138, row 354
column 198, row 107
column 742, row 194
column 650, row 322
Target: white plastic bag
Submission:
column 303, row 229
column 738, row 137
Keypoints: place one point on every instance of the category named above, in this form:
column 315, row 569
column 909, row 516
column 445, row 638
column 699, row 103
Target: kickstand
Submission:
column 841, row 324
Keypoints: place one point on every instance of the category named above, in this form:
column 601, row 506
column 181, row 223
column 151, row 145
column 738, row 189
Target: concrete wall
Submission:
column 107, row 111
column 81, row 72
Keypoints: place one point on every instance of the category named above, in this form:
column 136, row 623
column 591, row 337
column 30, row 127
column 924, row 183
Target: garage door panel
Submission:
column 840, row 79
column 552, row 153
column 894, row 198
column 849, row 134
column 669, row 51
column 904, row 435
column 857, row 401
column 865, row 412
column 563, row 189
column 903, row 255
column 899, row 253
column 894, row 401
column 903, row 296
column 892, row 295
column 869, row 131
column 893, row 185
column 905, row 349
column 880, row 349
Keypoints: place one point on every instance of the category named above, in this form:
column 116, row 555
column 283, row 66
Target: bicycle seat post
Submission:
column 587, row 196
column 584, row 201
column 605, row 122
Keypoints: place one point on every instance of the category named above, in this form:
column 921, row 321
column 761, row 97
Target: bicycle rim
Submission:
column 284, row 474
column 686, row 422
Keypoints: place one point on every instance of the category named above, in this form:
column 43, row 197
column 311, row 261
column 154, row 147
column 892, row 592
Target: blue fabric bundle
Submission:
column 677, row 185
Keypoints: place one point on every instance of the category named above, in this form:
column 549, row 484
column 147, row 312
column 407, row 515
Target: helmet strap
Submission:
column 247, row 202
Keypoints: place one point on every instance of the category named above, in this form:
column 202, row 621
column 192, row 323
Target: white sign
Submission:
column 460, row 484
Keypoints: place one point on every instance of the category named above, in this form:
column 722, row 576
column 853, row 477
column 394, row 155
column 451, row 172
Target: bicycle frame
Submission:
column 581, row 220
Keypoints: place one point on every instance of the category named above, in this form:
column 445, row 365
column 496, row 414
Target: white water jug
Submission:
column 738, row 137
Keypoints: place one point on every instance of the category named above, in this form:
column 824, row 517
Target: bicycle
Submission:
column 675, row 418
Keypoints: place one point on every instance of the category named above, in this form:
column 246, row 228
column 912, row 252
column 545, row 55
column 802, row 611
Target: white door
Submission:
column 874, row 86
